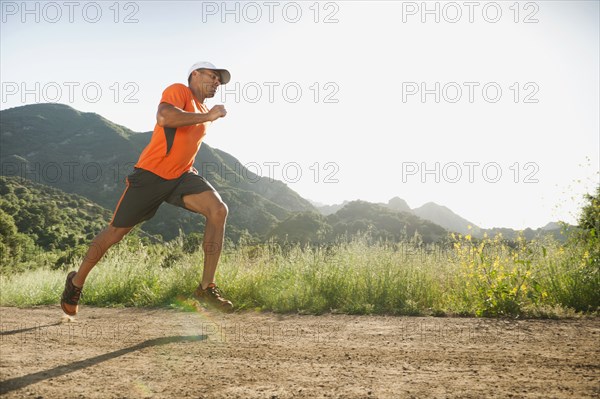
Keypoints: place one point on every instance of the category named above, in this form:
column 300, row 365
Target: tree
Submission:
column 590, row 213
column 15, row 247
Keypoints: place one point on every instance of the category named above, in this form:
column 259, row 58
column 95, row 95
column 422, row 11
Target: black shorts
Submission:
column 145, row 192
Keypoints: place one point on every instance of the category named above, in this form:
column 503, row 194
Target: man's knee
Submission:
column 116, row 234
column 103, row 241
column 218, row 211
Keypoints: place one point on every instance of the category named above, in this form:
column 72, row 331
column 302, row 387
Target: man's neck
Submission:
column 198, row 96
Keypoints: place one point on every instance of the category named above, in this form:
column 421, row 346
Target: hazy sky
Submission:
column 488, row 108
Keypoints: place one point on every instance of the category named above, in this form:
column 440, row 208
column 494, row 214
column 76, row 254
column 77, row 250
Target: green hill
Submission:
column 38, row 219
column 384, row 223
column 450, row 221
column 380, row 222
column 53, row 218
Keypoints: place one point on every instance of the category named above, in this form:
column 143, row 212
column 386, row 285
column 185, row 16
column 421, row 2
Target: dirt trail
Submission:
column 158, row 353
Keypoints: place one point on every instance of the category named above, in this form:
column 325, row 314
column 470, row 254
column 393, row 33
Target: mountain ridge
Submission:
column 451, row 221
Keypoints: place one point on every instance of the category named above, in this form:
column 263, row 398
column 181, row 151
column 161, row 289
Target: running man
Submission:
column 165, row 173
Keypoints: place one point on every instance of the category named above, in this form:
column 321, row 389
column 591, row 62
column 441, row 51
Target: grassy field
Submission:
column 485, row 277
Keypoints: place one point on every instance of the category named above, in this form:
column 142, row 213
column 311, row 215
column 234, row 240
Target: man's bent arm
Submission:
column 170, row 116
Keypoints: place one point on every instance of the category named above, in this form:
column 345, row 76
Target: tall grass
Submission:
column 479, row 278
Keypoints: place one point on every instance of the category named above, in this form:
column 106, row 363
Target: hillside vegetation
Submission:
column 36, row 219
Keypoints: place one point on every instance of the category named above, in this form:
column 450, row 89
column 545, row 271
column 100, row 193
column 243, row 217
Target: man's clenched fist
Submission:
column 216, row 112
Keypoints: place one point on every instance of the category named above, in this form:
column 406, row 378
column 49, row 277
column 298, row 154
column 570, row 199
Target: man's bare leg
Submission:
column 98, row 247
column 210, row 204
column 69, row 301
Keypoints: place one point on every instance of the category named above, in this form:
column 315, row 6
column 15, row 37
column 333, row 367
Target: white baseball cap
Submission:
column 224, row 73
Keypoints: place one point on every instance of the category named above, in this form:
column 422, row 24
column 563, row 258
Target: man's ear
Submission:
column 191, row 76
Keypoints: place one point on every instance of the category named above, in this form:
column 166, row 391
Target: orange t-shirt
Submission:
column 172, row 151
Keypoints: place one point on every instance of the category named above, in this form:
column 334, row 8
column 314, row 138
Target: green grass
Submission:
column 475, row 278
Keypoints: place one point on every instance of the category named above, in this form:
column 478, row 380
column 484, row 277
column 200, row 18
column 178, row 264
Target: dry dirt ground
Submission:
column 161, row 353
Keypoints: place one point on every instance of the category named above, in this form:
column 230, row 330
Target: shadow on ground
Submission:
column 21, row 382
